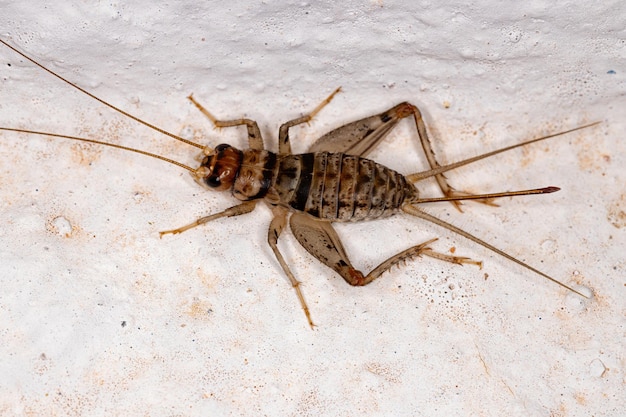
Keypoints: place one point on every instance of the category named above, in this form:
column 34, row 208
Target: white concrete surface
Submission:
column 100, row 317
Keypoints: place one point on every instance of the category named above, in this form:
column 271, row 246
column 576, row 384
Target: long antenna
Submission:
column 117, row 109
column 98, row 142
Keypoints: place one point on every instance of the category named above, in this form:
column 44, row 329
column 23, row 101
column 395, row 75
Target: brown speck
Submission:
column 617, row 212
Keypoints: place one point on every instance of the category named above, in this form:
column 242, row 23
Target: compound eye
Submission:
column 213, row 181
column 221, row 147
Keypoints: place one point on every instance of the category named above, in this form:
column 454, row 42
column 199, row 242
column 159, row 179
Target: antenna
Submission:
column 98, row 142
column 117, row 109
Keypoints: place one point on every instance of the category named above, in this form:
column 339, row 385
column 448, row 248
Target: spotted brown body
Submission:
column 330, row 186
column 332, row 182
column 335, row 182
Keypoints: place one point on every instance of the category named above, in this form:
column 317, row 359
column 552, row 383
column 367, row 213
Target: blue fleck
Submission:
column 610, row 72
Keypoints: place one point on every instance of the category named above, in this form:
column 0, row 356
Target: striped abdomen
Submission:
column 340, row 187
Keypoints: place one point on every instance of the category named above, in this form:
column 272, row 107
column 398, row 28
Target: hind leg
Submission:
column 362, row 136
column 320, row 240
column 406, row 109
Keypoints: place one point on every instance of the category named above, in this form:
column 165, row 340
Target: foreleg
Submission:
column 255, row 140
column 238, row 210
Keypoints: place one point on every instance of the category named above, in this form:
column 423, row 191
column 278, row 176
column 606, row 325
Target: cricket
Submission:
column 333, row 181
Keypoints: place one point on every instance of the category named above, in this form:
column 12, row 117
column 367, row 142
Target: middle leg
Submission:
column 284, row 145
column 276, row 227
